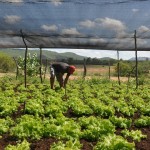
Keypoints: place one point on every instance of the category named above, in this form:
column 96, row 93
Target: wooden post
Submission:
column 136, row 61
column 25, row 59
column 109, row 70
column 41, row 64
column 17, row 71
column 45, row 69
column 25, row 67
column 118, row 67
column 85, row 70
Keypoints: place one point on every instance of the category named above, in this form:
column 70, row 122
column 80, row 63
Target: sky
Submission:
column 125, row 55
column 83, row 24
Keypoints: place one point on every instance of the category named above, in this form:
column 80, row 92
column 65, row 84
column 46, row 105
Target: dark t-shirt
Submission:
column 60, row 67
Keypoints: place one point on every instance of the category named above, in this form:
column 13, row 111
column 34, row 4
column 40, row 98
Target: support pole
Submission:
column 118, row 67
column 109, row 70
column 41, row 65
column 25, row 59
column 45, row 69
column 85, row 70
column 17, row 69
column 25, row 67
column 136, row 60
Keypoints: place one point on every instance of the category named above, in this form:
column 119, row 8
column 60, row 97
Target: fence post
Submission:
column 109, row 70
column 85, row 70
column 136, row 60
column 118, row 67
column 25, row 60
column 17, row 71
column 41, row 64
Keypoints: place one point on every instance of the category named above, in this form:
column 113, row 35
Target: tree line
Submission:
column 8, row 64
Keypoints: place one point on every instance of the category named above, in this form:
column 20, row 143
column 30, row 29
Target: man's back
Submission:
column 60, row 67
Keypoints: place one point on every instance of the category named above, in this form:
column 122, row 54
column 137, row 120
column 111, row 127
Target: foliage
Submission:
column 113, row 142
column 5, row 125
column 6, row 63
column 24, row 145
column 121, row 122
column 124, row 68
column 128, row 68
column 88, row 109
column 136, row 135
column 32, row 64
column 143, row 121
column 68, row 145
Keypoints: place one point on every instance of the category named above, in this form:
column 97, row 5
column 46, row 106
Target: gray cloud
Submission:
column 70, row 31
column 135, row 10
column 12, row 19
column 52, row 28
column 87, row 24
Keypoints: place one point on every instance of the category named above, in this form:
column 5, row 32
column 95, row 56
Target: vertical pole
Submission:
column 25, row 66
column 85, row 70
column 45, row 69
column 136, row 61
column 118, row 67
column 25, row 60
column 41, row 64
column 17, row 71
column 109, row 70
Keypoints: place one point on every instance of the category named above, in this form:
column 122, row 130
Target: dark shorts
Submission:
column 53, row 73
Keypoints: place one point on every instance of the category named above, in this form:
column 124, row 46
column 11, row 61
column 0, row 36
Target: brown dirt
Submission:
column 44, row 143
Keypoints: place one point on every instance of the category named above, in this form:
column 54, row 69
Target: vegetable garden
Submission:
column 95, row 114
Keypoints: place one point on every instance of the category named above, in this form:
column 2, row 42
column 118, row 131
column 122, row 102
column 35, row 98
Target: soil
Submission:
column 44, row 144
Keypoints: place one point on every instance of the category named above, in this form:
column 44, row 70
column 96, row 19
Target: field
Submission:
column 93, row 114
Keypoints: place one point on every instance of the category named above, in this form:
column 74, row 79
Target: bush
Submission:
column 6, row 63
column 125, row 68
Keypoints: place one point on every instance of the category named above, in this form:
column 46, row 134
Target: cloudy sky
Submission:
column 85, row 24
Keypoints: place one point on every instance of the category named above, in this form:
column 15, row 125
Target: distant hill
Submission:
column 139, row 58
column 107, row 58
column 45, row 54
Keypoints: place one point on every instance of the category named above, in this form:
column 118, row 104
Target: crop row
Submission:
column 90, row 110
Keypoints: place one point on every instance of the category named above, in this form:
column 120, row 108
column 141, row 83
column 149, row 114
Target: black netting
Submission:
column 90, row 24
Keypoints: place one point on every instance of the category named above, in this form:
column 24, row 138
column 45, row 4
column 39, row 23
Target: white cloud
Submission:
column 142, row 29
column 100, row 40
column 49, row 28
column 87, row 24
column 135, row 10
column 71, row 31
column 111, row 24
column 12, row 19
column 56, row 2
column 106, row 23
column 12, row 1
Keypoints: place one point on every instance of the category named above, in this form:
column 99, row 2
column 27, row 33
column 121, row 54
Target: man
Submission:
column 58, row 69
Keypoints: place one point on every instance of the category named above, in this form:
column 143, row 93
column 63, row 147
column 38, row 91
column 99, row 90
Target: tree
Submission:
column 125, row 68
column 6, row 63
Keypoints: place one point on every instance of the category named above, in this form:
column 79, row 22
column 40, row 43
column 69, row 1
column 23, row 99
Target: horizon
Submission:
column 125, row 55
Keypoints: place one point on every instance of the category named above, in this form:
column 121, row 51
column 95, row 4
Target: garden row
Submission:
column 106, row 115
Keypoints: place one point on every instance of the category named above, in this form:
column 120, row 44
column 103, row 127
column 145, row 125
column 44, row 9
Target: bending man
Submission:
column 58, row 69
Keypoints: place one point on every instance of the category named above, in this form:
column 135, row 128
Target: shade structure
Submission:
column 88, row 24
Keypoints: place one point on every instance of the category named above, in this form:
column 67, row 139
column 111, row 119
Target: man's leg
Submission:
column 52, row 77
column 60, row 79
